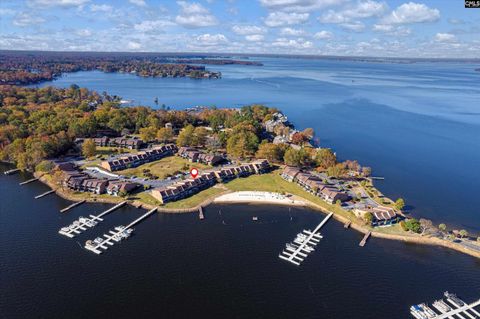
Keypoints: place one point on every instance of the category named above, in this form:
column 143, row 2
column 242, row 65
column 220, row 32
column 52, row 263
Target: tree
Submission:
column 337, row 170
column 271, row 152
column 368, row 217
column 295, row 157
column 442, row 227
column 148, row 134
column 425, row 224
column 413, row 225
column 325, row 158
column 89, row 148
column 165, row 134
column 185, row 137
column 309, row 132
column 366, row 171
column 200, row 136
column 399, row 204
column 463, row 233
column 44, row 166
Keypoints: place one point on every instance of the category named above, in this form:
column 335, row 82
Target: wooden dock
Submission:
column 347, row 225
column 448, row 307
column 303, row 244
column 66, row 209
column 365, row 238
column 11, row 171
column 119, row 234
column 83, row 223
column 200, row 213
column 29, row 181
column 45, row 194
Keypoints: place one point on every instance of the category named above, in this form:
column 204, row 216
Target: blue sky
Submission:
column 434, row 28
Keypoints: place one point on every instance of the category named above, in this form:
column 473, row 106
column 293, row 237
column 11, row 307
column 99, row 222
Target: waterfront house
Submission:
column 134, row 160
column 94, row 185
column 122, row 142
column 194, row 155
column 331, row 194
column 290, row 173
column 261, row 166
column 118, row 187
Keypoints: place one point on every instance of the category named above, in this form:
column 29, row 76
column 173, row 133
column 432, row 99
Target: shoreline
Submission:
column 230, row 197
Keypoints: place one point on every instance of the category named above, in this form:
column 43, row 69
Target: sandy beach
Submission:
column 258, row 197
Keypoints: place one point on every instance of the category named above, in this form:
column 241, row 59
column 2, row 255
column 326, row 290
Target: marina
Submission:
column 66, row 209
column 83, row 223
column 99, row 244
column 45, row 194
column 303, row 244
column 448, row 307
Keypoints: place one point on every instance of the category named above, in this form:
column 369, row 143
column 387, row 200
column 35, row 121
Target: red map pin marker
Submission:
column 194, row 172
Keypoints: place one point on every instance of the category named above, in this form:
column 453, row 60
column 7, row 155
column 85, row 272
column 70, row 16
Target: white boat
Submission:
column 454, row 298
column 428, row 311
column 441, row 306
column 120, row 228
column 65, row 229
column 417, row 312
column 98, row 240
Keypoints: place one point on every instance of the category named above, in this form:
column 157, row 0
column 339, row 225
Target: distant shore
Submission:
column 258, row 197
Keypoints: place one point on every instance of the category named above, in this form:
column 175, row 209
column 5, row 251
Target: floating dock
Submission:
column 303, row 244
column 449, row 307
column 45, row 194
column 11, row 171
column 365, row 238
column 29, row 181
column 100, row 244
column 83, row 223
column 66, row 209
column 200, row 213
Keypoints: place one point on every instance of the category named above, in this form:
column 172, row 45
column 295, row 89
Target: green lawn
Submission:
column 273, row 182
column 196, row 199
column 163, row 168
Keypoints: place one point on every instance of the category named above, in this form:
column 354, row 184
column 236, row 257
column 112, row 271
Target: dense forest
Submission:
column 42, row 123
column 24, row 68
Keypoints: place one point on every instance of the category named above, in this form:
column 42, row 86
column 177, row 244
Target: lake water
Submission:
column 418, row 125
column 226, row 266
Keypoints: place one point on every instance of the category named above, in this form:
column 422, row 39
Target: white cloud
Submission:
column 140, row 3
column 278, row 19
column 361, row 10
column 248, row 29
column 24, row 19
column 133, row 45
column 83, row 32
column 353, row 26
column 57, row 3
column 445, row 37
column 297, row 5
column 292, row 32
column 391, row 29
column 323, row 35
column 150, row 25
column 100, row 8
column 255, row 37
column 6, row 12
column 411, row 12
column 293, row 44
column 194, row 15
column 212, row 39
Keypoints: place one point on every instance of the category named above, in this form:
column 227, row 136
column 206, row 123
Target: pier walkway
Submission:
column 72, row 206
column 121, row 232
column 200, row 213
column 450, row 307
column 463, row 310
column 11, row 171
column 303, row 244
column 83, row 223
column 45, row 194
column 365, row 238
column 29, row 181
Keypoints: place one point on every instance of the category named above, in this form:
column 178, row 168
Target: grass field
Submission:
column 195, row 199
column 273, row 182
column 163, row 168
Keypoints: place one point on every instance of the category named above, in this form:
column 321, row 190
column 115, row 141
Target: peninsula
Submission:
column 86, row 147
